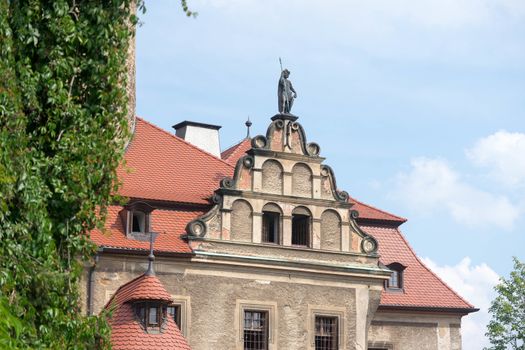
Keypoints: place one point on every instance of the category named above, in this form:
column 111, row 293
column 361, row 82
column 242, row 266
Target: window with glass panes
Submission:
column 255, row 330
column 326, row 333
column 174, row 311
column 151, row 315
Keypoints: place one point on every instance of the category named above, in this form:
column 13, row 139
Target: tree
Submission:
column 506, row 330
column 62, row 128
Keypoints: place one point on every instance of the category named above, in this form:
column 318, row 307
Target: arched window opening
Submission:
column 301, row 227
column 271, row 223
column 395, row 282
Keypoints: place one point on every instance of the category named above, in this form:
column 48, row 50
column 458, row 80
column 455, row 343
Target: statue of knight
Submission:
column 285, row 92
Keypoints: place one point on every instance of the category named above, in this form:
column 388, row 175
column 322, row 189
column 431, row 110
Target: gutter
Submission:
column 440, row 309
column 91, row 283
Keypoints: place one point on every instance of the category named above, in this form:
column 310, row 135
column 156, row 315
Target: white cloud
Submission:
column 432, row 185
column 476, row 285
column 503, row 153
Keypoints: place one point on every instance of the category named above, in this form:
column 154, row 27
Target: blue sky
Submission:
column 419, row 106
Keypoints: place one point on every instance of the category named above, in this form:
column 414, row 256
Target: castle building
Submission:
column 257, row 248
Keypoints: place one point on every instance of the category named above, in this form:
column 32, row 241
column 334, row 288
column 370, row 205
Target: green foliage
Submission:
column 506, row 330
column 62, row 130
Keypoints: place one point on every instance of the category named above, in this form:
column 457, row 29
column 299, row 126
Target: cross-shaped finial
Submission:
column 248, row 124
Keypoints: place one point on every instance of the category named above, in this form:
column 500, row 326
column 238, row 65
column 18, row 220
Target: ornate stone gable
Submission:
column 282, row 194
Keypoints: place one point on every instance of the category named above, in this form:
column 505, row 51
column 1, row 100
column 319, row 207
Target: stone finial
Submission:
column 248, row 125
column 151, row 257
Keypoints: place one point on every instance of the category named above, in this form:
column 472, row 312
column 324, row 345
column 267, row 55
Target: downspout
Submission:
column 91, row 282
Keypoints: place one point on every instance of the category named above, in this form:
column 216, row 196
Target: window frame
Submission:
column 399, row 269
column 336, row 335
column 277, row 219
column 264, row 328
column 184, row 303
column 307, row 234
column 258, row 306
column 142, row 220
column 144, row 319
column 338, row 312
column 127, row 215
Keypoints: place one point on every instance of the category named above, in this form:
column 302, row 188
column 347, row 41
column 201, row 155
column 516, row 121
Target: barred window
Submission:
column 326, row 333
column 301, row 230
column 255, row 330
column 270, row 233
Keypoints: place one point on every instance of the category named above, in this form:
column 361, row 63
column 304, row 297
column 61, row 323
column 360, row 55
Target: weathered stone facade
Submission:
column 278, row 238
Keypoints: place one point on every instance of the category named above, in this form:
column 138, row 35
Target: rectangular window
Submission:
column 138, row 222
column 393, row 282
column 255, row 330
column 301, row 230
column 174, row 311
column 270, row 233
column 153, row 316
column 326, row 333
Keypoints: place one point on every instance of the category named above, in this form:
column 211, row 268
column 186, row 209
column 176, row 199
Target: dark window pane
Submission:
column 270, row 231
column 301, row 230
column 139, row 222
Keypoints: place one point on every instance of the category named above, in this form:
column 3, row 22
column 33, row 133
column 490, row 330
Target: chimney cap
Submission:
column 201, row 125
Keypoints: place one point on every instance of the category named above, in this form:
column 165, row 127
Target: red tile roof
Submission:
column 169, row 224
column 422, row 288
column 165, row 167
column 162, row 166
column 369, row 212
column 127, row 333
column 232, row 154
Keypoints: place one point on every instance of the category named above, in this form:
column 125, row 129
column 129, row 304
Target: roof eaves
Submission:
column 470, row 306
column 441, row 309
column 394, row 217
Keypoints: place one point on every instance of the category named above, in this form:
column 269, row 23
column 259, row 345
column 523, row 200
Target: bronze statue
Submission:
column 286, row 93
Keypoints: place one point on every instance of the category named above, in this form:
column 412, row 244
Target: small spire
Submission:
column 248, row 124
column 151, row 257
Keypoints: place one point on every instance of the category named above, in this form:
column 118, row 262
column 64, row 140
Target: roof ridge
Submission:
column 381, row 210
column 429, row 270
column 236, row 144
column 233, row 147
column 175, row 137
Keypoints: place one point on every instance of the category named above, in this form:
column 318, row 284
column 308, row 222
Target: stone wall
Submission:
column 330, row 230
column 301, row 180
column 272, row 177
column 215, row 297
column 418, row 331
column 241, row 221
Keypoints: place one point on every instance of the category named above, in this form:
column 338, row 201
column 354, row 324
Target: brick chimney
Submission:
column 203, row 136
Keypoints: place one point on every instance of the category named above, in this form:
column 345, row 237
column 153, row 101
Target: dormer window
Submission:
column 136, row 218
column 395, row 282
column 151, row 315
